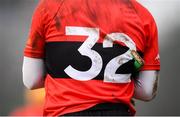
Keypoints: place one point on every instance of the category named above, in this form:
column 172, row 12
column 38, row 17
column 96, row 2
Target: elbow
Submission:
column 149, row 93
column 145, row 94
column 33, row 73
column 27, row 84
column 32, row 85
column 146, row 86
column 148, row 96
column 26, row 80
column 31, row 82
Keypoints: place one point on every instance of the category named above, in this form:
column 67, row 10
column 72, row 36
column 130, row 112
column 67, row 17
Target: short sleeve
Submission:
column 151, row 53
column 36, row 40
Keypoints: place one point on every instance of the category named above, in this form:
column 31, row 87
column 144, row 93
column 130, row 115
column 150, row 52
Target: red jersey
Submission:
column 86, row 45
column 30, row 110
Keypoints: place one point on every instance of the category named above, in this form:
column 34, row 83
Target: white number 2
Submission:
column 110, row 70
column 96, row 59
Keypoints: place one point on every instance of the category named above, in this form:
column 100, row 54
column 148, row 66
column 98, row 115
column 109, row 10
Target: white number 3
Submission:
column 96, row 59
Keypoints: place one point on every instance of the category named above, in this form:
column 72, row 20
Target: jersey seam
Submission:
column 137, row 12
column 141, row 19
column 57, row 11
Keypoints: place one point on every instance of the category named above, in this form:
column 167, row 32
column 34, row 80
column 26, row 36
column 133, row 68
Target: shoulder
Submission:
column 49, row 7
column 52, row 4
column 143, row 12
column 46, row 10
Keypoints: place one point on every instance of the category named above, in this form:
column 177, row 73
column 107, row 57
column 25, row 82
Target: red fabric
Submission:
column 74, row 95
column 30, row 110
column 151, row 49
column 48, row 25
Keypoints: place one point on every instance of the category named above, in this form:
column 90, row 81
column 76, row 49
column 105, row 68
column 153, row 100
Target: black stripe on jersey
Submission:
column 59, row 55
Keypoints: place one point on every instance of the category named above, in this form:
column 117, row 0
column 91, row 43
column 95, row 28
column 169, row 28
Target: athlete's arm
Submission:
column 33, row 72
column 146, row 85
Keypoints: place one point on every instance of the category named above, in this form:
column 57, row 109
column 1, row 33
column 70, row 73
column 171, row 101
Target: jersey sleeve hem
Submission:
column 151, row 67
column 34, row 55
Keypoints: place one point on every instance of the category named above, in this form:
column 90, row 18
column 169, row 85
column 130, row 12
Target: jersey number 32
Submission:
column 97, row 61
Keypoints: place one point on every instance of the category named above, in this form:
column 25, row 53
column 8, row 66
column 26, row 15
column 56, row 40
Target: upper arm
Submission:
column 151, row 52
column 147, row 81
column 34, row 72
column 36, row 40
column 33, row 63
column 150, row 38
column 146, row 85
